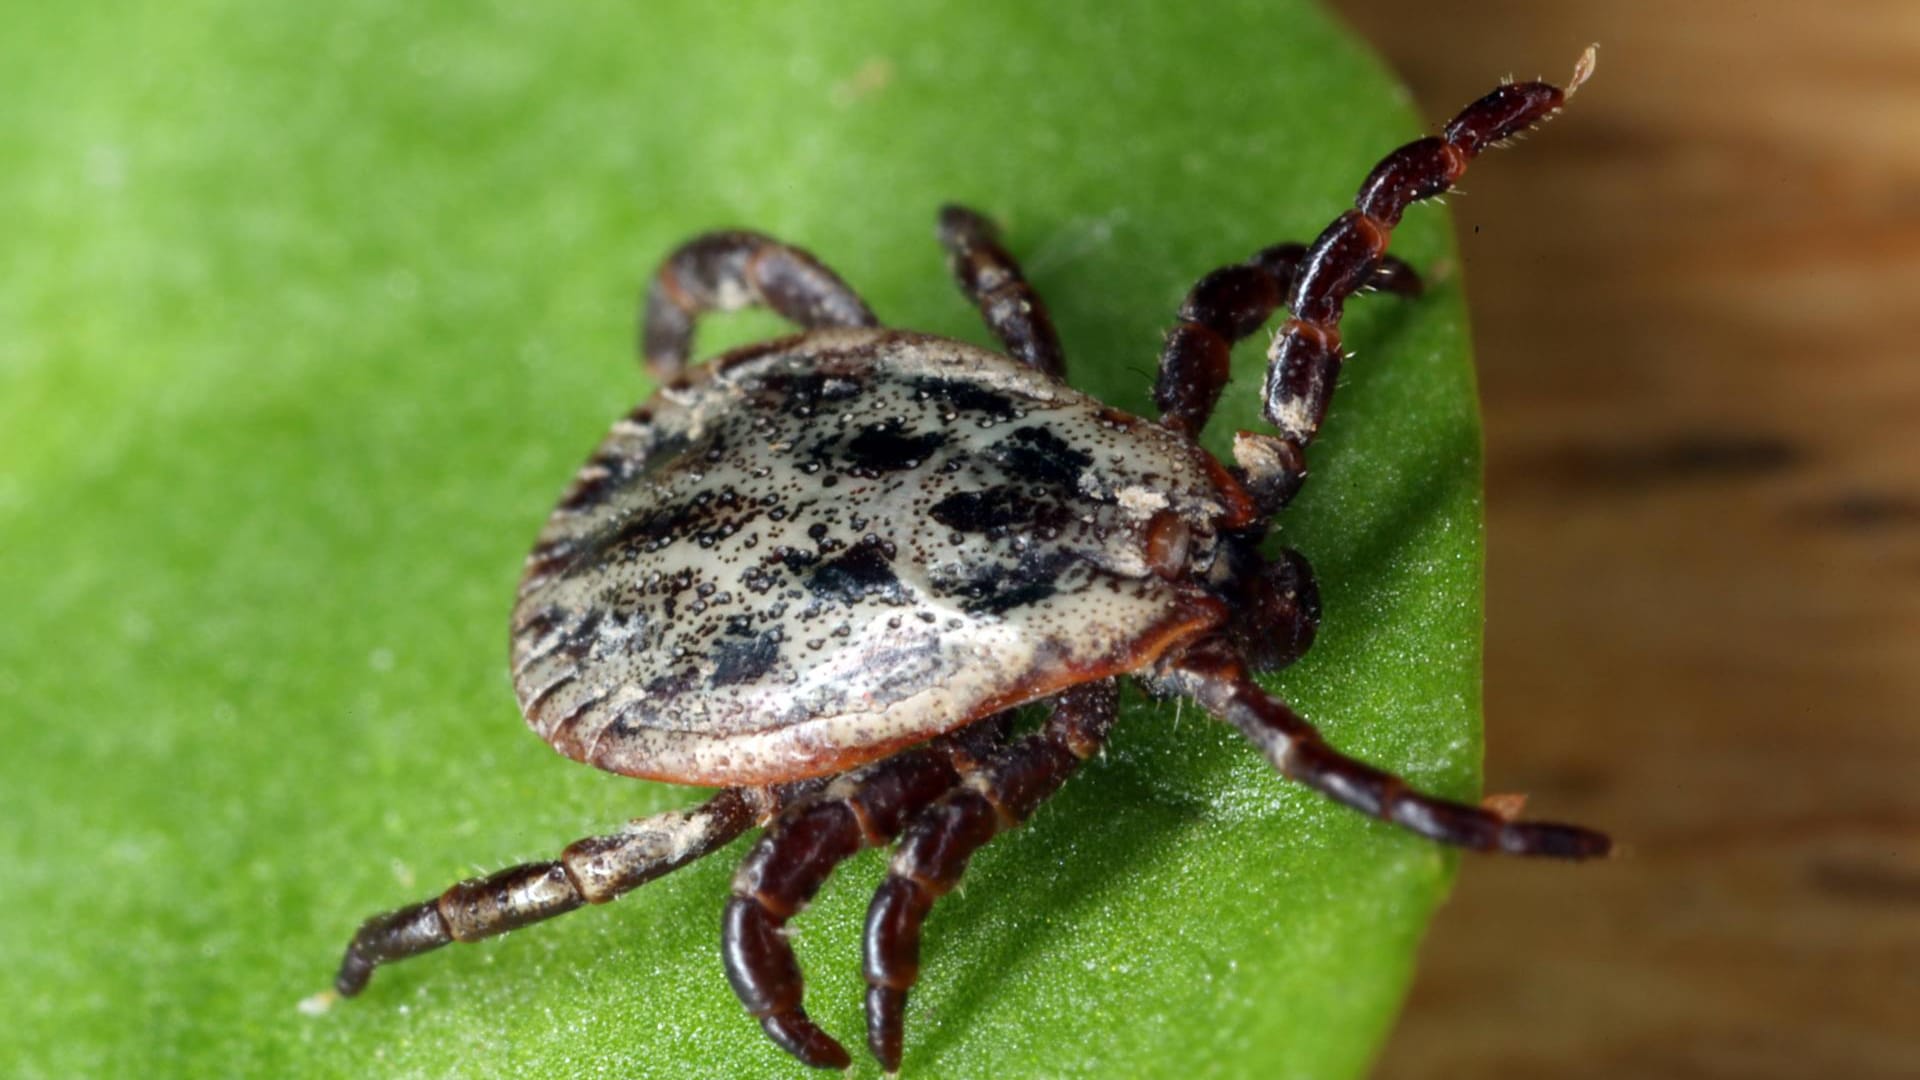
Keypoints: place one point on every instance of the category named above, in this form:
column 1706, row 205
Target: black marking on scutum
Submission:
column 865, row 571
column 800, row 394
column 999, row 589
column 590, row 491
column 1000, row 597
column 647, row 532
column 549, row 557
column 738, row 660
column 882, row 448
column 667, row 451
column 968, row 397
column 538, row 624
column 672, row 684
column 794, row 559
column 1036, row 454
column 985, row 510
column 578, row 639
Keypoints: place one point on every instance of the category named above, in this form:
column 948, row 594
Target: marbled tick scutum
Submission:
column 822, row 572
column 803, row 581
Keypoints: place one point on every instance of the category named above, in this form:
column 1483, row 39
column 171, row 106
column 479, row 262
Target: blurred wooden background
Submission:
column 1697, row 304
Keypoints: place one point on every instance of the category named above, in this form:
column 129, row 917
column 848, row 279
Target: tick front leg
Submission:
column 935, row 849
column 725, row 271
column 591, row 871
column 1213, row 674
column 794, row 857
column 990, row 277
column 1223, row 308
column 1304, row 362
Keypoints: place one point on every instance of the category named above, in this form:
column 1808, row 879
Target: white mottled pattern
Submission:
column 827, row 547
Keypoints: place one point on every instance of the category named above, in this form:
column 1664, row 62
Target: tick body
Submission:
column 822, row 573
column 823, row 549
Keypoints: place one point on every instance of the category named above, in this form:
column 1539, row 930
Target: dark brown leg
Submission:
column 1223, row 308
column 991, row 278
column 591, row 871
column 935, row 849
column 1214, row 675
column 794, row 857
column 725, row 271
column 1275, row 606
column 1304, row 362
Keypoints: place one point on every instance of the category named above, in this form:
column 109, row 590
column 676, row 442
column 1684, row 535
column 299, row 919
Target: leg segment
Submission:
column 1214, row 675
column 794, row 858
column 1220, row 310
column 591, row 871
column 726, row 271
column 991, row 278
column 1304, row 361
column 1275, row 606
column 935, row 849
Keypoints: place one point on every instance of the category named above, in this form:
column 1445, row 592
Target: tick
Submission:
column 823, row 572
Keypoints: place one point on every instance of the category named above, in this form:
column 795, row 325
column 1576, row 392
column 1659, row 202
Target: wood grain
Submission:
column 1697, row 304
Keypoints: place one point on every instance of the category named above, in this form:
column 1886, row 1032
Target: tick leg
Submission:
column 591, row 871
column 1225, row 307
column 1274, row 606
column 937, row 845
column 991, row 278
column 1214, row 675
column 1304, row 361
column 794, row 857
column 726, row 271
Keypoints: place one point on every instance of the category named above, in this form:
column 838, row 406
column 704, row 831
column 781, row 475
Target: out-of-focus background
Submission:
column 1695, row 303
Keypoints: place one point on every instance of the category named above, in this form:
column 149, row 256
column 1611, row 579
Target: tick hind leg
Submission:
column 990, row 277
column 797, row 854
column 726, row 271
column 935, row 848
column 1214, row 675
column 591, row 871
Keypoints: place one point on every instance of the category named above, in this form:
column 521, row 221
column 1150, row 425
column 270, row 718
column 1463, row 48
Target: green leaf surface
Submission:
column 307, row 313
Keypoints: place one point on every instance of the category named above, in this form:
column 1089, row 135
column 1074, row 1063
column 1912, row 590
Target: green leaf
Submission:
column 308, row 315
